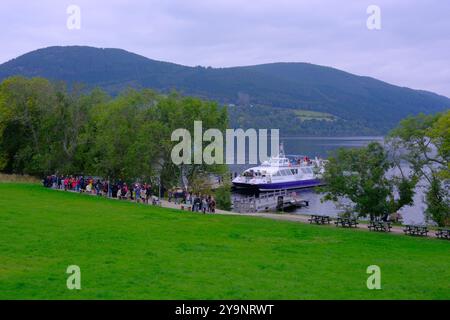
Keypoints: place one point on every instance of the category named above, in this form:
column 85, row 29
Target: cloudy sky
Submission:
column 412, row 48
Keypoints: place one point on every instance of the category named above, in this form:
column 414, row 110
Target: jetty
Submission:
column 279, row 200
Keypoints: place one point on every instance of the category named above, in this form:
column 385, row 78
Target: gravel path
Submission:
column 284, row 217
column 287, row 217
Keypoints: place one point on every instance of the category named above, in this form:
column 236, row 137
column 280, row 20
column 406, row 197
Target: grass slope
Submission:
column 134, row 251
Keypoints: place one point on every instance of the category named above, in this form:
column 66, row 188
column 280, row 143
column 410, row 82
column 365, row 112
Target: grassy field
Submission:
column 6, row 178
column 134, row 251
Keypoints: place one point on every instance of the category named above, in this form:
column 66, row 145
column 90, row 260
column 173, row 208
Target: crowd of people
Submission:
column 137, row 192
column 198, row 202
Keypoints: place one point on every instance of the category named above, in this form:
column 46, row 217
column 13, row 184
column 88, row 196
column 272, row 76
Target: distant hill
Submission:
column 276, row 95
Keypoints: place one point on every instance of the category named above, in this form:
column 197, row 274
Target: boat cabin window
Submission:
column 286, row 172
column 248, row 173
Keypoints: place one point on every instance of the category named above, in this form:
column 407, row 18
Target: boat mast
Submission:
column 281, row 153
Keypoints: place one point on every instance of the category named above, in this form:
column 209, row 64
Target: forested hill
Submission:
column 298, row 98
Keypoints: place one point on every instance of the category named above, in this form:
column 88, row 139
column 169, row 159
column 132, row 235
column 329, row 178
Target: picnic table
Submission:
column 381, row 226
column 319, row 219
column 416, row 230
column 442, row 233
column 346, row 222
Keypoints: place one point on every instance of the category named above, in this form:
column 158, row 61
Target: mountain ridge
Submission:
column 361, row 104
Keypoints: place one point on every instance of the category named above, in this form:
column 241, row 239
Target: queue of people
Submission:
column 137, row 192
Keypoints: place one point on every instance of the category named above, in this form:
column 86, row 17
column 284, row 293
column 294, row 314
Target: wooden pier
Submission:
column 279, row 200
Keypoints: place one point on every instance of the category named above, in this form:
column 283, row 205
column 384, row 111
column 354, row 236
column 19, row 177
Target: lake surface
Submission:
column 323, row 147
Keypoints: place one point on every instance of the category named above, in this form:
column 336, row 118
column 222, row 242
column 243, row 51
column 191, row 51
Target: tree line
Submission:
column 46, row 128
column 379, row 180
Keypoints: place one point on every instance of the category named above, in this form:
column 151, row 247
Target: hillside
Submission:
column 130, row 251
column 262, row 94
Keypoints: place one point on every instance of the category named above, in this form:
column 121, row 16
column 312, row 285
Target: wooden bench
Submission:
column 443, row 233
column 415, row 230
column 346, row 222
column 380, row 226
column 319, row 219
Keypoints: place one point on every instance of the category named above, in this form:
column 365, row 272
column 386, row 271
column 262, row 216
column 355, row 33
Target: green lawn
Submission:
column 134, row 251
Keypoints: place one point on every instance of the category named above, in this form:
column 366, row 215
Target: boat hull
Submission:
column 280, row 185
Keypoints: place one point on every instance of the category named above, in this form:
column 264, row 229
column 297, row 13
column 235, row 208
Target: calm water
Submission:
column 323, row 147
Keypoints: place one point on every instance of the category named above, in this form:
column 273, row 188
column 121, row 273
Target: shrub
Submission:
column 223, row 197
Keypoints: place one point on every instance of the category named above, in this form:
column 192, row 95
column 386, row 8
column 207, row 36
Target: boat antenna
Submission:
column 281, row 155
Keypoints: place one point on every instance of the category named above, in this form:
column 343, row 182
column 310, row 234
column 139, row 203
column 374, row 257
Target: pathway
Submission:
column 301, row 218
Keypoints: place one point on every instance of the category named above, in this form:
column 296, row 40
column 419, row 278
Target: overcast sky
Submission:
column 412, row 48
